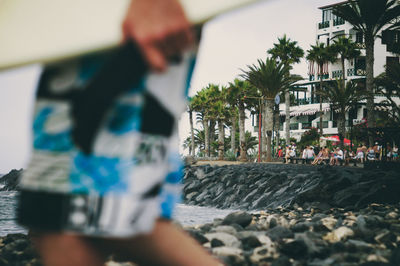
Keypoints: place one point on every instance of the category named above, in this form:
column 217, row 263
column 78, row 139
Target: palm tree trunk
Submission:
column 263, row 133
column 221, row 139
column 242, row 138
column 233, row 132
column 343, row 74
column 277, row 124
column 321, row 128
column 212, row 137
column 192, row 152
column 342, row 127
column 206, row 138
column 269, row 121
column 287, row 118
column 369, row 69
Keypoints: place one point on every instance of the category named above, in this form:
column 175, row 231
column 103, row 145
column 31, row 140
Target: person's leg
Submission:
column 57, row 249
column 166, row 245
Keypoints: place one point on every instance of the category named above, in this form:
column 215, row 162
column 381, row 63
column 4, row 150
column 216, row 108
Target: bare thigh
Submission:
column 165, row 245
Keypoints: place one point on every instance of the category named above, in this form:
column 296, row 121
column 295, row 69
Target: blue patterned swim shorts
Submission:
column 132, row 174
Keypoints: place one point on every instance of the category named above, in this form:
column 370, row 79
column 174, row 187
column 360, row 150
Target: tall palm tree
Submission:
column 270, row 78
column 199, row 103
column 343, row 98
column 369, row 17
column 321, row 55
column 237, row 94
column 346, row 49
column 218, row 110
column 288, row 52
column 388, row 84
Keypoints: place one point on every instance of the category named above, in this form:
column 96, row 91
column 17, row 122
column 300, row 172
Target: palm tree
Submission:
column 388, row 84
column 199, row 103
column 236, row 94
column 218, row 111
column 346, row 49
column 369, row 17
column 321, row 55
column 288, row 52
column 343, row 98
column 270, row 78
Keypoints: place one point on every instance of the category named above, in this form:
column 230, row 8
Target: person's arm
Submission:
column 160, row 29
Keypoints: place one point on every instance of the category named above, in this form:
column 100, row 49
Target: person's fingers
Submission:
column 156, row 59
column 174, row 44
column 125, row 31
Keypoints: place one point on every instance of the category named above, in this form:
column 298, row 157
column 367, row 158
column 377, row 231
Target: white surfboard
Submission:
column 45, row 31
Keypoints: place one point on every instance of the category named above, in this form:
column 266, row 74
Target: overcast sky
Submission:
column 230, row 42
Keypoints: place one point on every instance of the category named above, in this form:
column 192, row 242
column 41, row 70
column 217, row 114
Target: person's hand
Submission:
column 160, row 29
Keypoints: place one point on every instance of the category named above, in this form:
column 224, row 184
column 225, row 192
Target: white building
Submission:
column 304, row 114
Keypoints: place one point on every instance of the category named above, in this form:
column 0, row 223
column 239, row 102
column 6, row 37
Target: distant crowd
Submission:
column 335, row 156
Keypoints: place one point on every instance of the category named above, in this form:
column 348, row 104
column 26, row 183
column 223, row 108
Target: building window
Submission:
column 326, row 15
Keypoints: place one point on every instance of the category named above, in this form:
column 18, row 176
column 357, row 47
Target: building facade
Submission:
column 305, row 111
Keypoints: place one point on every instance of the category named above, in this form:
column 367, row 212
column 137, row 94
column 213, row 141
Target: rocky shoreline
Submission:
column 295, row 236
column 292, row 215
column 260, row 186
column 279, row 237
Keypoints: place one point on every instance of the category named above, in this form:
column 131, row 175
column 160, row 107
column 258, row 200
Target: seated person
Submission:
column 371, row 154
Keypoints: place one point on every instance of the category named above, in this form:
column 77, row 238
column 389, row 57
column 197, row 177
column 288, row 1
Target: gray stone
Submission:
column 295, row 249
column 227, row 239
column 279, row 232
column 241, row 218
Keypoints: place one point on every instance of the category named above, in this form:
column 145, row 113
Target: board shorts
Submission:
column 131, row 177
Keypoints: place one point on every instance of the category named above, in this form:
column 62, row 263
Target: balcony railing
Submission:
column 337, row 74
column 360, row 45
column 294, row 126
column 351, row 72
column 355, row 72
column 326, row 76
column 302, row 101
column 306, row 125
column 323, row 25
column 338, row 21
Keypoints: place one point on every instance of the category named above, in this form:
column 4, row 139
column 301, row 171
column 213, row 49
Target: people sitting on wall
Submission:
column 371, row 154
column 337, row 156
column 318, row 159
column 287, row 154
column 360, row 154
column 395, row 153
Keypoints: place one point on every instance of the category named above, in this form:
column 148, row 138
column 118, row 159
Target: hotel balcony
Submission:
column 338, row 21
column 323, row 25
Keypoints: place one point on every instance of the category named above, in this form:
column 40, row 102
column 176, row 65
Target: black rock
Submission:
column 301, row 227
column 282, row 261
column 197, row 236
column 251, row 242
column 279, row 232
column 395, row 258
column 216, row 243
column 241, row 218
column 296, row 249
column 11, row 180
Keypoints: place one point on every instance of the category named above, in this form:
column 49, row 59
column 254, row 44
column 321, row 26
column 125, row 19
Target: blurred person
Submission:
column 371, row 154
column 395, row 153
column 360, row 154
column 78, row 227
